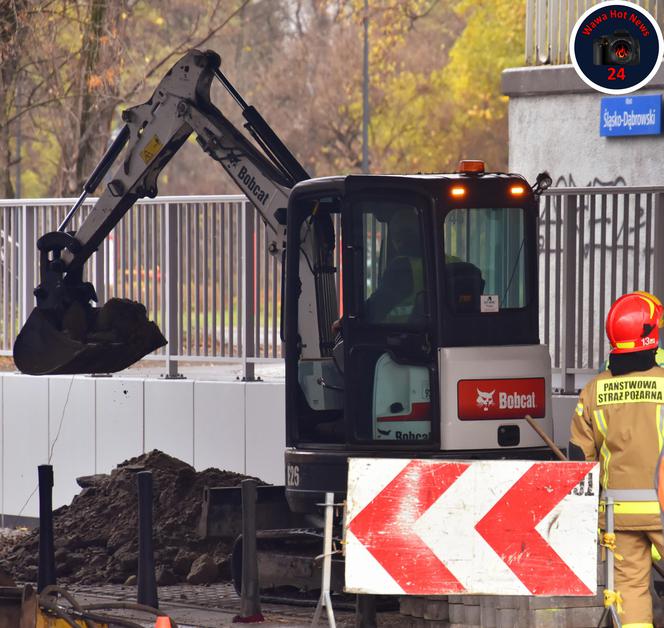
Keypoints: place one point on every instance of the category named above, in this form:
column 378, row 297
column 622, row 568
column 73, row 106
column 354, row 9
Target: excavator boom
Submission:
column 65, row 333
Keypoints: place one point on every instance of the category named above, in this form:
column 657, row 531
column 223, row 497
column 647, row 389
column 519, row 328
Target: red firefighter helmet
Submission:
column 633, row 322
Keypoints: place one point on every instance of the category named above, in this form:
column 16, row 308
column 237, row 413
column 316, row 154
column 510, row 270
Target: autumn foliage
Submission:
column 68, row 68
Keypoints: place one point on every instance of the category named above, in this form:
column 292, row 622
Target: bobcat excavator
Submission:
column 435, row 352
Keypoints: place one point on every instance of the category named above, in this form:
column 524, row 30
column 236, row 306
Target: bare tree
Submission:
column 13, row 14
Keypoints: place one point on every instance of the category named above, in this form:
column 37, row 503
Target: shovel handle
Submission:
column 545, row 437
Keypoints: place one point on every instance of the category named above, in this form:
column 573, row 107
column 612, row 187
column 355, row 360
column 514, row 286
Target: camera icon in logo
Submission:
column 620, row 48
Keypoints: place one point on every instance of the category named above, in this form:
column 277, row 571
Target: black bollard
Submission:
column 147, row 582
column 365, row 611
column 46, row 568
column 250, row 605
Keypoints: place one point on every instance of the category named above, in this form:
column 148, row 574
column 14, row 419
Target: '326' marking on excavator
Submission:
column 293, row 475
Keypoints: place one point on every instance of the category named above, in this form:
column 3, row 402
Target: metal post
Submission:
column 543, row 46
column 171, row 242
column 365, row 91
column 248, row 291
column 27, row 263
column 530, row 28
column 99, row 274
column 18, row 188
column 147, row 583
column 610, row 579
column 46, row 566
column 365, row 611
column 327, row 566
column 568, row 293
column 250, row 609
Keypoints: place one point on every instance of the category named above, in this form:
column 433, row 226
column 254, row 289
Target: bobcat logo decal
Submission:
column 485, row 399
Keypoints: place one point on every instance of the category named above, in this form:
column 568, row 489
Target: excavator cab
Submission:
column 438, row 350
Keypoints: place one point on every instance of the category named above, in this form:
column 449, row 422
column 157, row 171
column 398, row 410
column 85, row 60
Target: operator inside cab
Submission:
column 395, row 298
column 399, row 293
column 619, row 420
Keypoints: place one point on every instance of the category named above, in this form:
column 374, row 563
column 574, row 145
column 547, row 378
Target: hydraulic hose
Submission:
column 85, row 612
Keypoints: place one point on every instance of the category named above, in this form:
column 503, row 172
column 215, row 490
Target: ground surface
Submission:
column 215, row 606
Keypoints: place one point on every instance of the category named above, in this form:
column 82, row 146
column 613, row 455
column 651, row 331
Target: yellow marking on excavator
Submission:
column 47, row 621
column 151, row 149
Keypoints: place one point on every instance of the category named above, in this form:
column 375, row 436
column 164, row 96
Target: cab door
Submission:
column 389, row 356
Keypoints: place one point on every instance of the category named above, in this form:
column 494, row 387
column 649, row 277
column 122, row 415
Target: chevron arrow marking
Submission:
column 509, row 528
column 385, row 527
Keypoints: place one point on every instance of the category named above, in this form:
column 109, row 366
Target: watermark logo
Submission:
column 616, row 47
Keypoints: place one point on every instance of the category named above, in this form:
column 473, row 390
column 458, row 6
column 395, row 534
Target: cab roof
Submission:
column 344, row 182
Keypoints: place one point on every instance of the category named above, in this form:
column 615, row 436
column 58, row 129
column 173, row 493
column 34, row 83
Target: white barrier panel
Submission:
column 502, row 527
column 86, row 425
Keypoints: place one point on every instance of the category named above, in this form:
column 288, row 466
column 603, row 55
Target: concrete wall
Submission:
column 554, row 120
column 88, row 425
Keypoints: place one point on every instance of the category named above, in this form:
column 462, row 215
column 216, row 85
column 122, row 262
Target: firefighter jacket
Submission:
column 620, row 422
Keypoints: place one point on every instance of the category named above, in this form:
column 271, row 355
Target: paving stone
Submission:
column 549, row 618
column 536, row 603
column 418, row 605
column 457, row 613
column 488, row 611
column 511, row 618
column 512, row 601
column 406, row 606
column 582, row 617
column 472, row 614
column 437, row 609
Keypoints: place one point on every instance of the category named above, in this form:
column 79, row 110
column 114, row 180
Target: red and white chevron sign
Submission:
column 503, row 527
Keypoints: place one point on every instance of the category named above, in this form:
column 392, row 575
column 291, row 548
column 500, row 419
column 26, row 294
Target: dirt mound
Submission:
column 96, row 536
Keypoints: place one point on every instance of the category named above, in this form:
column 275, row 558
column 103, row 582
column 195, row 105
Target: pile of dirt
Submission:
column 96, row 536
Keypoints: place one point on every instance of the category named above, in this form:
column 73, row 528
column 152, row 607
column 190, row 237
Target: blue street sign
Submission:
column 630, row 115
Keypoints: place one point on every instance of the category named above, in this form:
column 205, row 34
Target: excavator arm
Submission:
column 65, row 333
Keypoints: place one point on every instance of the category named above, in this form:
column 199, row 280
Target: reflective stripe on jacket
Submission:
column 620, row 422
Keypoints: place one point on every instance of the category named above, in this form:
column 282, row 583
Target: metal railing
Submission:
column 549, row 25
column 595, row 244
column 200, row 265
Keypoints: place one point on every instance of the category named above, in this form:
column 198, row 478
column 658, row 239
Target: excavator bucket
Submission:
column 86, row 339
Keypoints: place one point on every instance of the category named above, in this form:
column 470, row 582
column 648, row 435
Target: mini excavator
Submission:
column 424, row 342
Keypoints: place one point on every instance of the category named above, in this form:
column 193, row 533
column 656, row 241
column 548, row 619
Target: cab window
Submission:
column 485, row 259
column 393, row 281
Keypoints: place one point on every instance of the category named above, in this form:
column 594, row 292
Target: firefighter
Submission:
column 619, row 420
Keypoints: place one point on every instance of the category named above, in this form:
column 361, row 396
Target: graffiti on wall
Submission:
column 593, row 216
